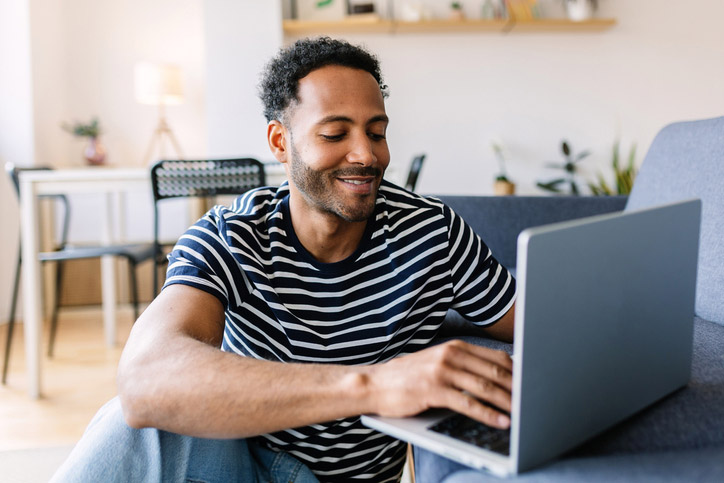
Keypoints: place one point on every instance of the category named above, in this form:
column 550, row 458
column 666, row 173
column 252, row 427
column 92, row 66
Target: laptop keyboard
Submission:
column 474, row 432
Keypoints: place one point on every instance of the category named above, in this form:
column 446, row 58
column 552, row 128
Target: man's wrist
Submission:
column 358, row 386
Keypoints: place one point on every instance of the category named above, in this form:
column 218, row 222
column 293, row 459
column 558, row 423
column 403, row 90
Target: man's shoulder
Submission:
column 255, row 205
column 250, row 215
column 398, row 197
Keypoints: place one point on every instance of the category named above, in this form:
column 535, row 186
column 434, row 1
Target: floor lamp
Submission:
column 159, row 85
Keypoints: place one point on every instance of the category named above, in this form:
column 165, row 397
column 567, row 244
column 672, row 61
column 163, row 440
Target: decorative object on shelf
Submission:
column 362, row 10
column 493, row 9
column 159, row 85
column 580, row 10
column 624, row 176
column 503, row 186
column 324, row 10
column 522, row 9
column 94, row 153
column 570, row 167
column 456, row 11
column 414, row 12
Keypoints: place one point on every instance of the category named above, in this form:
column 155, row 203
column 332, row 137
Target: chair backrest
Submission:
column 201, row 178
column 686, row 160
column 205, row 177
column 14, row 175
column 414, row 172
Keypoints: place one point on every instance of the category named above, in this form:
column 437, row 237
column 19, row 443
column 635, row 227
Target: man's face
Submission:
column 337, row 146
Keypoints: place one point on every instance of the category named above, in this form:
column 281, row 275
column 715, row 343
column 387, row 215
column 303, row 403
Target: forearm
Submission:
column 210, row 393
column 173, row 376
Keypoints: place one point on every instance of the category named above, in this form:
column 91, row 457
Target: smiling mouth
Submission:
column 356, row 181
column 360, row 181
column 364, row 186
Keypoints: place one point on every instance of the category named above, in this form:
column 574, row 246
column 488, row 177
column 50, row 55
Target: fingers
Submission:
column 490, row 365
column 478, row 374
column 484, row 389
column 465, row 404
column 456, row 375
column 494, row 366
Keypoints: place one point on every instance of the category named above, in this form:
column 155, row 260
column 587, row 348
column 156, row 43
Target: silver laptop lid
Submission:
column 603, row 323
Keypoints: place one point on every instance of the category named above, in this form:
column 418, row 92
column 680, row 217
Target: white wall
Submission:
column 452, row 93
column 240, row 38
column 16, row 129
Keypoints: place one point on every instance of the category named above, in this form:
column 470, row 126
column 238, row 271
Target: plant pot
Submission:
column 456, row 14
column 95, row 152
column 503, row 188
column 579, row 10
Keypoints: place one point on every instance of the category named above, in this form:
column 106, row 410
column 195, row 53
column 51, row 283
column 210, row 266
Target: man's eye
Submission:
column 332, row 137
column 376, row 136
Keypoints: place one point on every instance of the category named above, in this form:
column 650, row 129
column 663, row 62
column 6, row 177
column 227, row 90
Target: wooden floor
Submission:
column 76, row 382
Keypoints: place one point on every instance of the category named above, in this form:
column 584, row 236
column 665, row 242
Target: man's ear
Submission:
column 276, row 136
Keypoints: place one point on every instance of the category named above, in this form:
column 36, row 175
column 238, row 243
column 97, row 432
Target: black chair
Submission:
column 203, row 178
column 414, row 174
column 133, row 253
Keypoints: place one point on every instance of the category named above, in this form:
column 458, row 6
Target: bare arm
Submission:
column 503, row 329
column 173, row 376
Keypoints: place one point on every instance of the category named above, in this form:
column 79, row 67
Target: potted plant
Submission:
column 95, row 152
column 456, row 11
column 624, row 175
column 570, row 168
column 502, row 186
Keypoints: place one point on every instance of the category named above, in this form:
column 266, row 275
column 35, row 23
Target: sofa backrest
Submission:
column 499, row 219
column 686, row 160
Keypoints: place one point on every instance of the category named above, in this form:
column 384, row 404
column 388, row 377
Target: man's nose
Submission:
column 361, row 151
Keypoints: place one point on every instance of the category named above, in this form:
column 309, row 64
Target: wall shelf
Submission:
column 301, row 27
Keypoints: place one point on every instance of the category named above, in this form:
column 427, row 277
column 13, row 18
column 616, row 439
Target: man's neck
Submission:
column 326, row 236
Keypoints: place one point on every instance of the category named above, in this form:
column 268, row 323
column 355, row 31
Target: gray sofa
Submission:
column 680, row 438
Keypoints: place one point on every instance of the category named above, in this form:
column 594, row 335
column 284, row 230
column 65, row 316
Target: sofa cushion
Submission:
column 691, row 418
column 704, row 465
column 686, row 160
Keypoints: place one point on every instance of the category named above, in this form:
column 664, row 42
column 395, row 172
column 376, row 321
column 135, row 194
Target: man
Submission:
column 323, row 294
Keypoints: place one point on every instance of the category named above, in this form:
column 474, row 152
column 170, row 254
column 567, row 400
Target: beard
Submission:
column 319, row 189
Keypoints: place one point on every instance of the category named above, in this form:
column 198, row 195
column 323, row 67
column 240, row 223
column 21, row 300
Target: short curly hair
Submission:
column 280, row 80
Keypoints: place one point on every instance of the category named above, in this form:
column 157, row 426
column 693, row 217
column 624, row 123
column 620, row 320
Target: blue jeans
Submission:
column 111, row 451
column 432, row 468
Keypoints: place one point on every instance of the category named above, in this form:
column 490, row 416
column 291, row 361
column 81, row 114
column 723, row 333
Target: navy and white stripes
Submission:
column 416, row 260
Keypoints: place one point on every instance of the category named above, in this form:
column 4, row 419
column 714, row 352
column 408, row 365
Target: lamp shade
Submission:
column 158, row 84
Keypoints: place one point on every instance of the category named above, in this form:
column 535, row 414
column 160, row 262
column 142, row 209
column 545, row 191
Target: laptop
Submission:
column 604, row 328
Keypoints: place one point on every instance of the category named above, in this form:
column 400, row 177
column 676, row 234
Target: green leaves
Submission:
column 623, row 176
column 90, row 130
column 624, row 173
column 569, row 166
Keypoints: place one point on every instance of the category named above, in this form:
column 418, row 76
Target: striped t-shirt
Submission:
column 416, row 260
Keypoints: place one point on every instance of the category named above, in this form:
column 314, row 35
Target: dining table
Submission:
column 111, row 183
